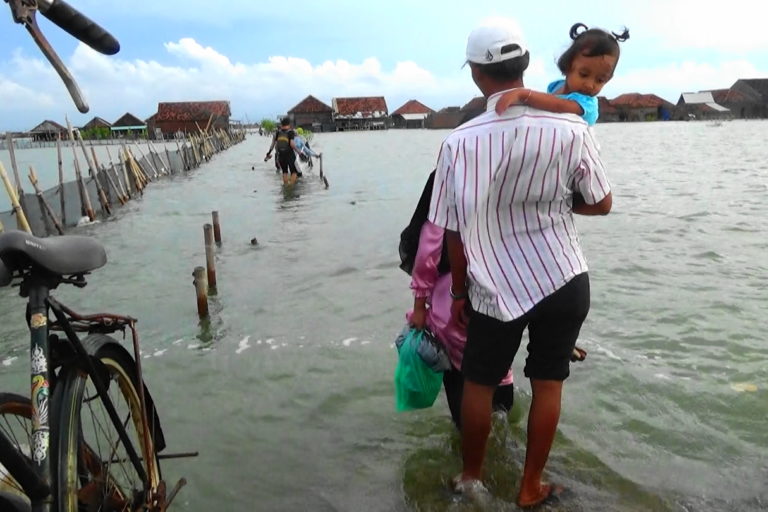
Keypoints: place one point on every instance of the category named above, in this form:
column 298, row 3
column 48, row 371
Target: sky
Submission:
column 265, row 57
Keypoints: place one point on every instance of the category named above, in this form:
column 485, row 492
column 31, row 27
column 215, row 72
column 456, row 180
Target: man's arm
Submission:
column 459, row 291
column 271, row 147
column 458, row 262
column 602, row 207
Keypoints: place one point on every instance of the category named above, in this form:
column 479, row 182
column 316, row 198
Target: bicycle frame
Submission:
column 36, row 481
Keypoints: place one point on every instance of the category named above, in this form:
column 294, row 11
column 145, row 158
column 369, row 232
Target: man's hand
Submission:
column 267, row 157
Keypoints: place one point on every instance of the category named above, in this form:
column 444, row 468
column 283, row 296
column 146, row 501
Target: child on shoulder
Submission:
column 588, row 64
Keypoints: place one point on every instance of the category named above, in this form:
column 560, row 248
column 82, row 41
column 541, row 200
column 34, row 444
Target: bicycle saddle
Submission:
column 61, row 255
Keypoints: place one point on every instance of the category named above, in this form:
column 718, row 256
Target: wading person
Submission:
column 284, row 142
column 506, row 188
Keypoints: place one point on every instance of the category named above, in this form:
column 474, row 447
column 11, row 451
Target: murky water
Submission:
column 287, row 392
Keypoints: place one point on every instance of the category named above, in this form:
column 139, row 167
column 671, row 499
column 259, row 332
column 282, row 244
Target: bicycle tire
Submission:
column 16, row 424
column 88, row 477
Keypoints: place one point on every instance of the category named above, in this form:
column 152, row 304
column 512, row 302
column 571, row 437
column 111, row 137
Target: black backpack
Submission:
column 409, row 238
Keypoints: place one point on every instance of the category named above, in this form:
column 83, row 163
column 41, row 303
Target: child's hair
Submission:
column 590, row 42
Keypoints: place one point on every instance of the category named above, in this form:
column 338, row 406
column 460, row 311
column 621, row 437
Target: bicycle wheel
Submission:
column 16, row 425
column 95, row 471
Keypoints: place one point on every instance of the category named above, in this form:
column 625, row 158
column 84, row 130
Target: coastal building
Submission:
column 96, row 128
column 608, row 113
column 47, row 131
column 699, row 106
column 413, row 114
column 361, row 113
column 641, row 107
column 190, row 117
column 444, row 119
column 748, row 98
column 312, row 114
column 451, row 117
column 128, row 126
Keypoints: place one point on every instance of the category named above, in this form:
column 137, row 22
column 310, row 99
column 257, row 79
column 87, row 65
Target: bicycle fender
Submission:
column 95, row 342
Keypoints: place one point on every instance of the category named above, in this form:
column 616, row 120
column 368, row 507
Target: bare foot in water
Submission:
column 547, row 493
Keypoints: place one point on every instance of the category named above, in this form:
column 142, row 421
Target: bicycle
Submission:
column 90, row 437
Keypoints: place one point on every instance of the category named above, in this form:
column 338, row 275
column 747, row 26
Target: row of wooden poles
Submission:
column 205, row 277
column 137, row 173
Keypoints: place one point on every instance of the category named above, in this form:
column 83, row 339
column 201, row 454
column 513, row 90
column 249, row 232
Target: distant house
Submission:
column 608, row 113
column 412, row 114
column 699, row 105
column 641, row 107
column 451, row 117
column 312, row 114
column 47, row 131
column 96, row 128
column 96, row 122
column 360, row 113
column 748, row 98
column 128, row 126
column 190, row 116
column 473, row 108
column 446, row 118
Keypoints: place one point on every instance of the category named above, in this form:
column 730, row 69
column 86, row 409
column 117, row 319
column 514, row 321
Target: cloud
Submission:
column 671, row 80
column 691, row 24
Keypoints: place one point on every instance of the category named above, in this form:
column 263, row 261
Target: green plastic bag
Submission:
column 416, row 384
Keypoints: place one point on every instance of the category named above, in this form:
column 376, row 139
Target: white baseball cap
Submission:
column 494, row 41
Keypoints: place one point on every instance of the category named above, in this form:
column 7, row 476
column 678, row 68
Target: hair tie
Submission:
column 575, row 32
column 621, row 37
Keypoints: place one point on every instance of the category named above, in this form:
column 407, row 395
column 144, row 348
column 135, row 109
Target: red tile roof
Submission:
column 637, row 100
column 365, row 105
column 192, row 110
column 605, row 106
column 735, row 96
column 310, row 105
column 413, row 107
column 759, row 85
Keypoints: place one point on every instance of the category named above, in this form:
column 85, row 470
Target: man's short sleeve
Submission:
column 591, row 180
column 442, row 208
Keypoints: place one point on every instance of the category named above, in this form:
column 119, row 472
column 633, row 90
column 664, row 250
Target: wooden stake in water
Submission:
column 61, row 181
column 43, row 203
column 216, row 227
column 210, row 260
column 12, row 153
column 85, row 199
column 201, row 290
column 21, row 219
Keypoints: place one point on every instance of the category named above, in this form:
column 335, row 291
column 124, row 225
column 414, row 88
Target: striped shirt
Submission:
column 506, row 184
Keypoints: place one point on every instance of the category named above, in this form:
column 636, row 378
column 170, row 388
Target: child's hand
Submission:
column 508, row 99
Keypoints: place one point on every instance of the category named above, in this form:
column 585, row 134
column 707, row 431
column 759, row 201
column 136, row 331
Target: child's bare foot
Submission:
column 546, row 493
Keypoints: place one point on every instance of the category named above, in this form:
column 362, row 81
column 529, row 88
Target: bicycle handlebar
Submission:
column 79, row 26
